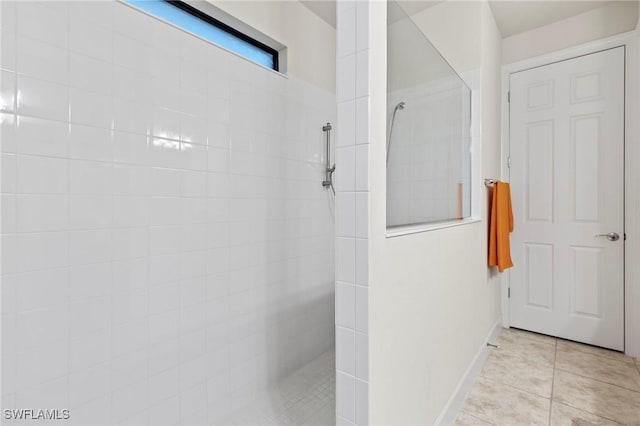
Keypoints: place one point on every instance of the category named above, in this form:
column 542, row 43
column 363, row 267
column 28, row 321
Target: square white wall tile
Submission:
column 346, row 78
column 362, row 309
column 42, row 137
column 9, row 214
column 346, row 30
column 90, row 39
column 41, row 290
column 42, row 98
column 345, row 351
column 44, row 21
column 346, row 259
column 8, row 91
column 8, row 133
column 362, row 403
column 346, row 214
column 362, row 356
column 90, row 108
column 44, row 250
column 31, row 207
column 345, row 305
column 345, row 396
column 9, row 172
column 41, row 60
column 362, row 25
column 362, row 216
column 42, row 175
column 345, row 174
column 362, row 168
column 346, row 123
column 362, row 72
column 362, row 120
column 362, row 262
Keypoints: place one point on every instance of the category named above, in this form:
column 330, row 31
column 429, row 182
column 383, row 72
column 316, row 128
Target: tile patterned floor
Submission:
column 305, row 398
column 534, row 379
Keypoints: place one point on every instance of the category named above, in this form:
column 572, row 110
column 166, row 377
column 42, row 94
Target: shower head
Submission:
column 399, row 106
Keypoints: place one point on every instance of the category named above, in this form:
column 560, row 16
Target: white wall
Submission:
column 311, row 42
column 167, row 247
column 432, row 303
column 448, row 25
column 595, row 24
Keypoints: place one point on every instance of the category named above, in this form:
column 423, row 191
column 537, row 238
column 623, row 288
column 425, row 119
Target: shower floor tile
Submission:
column 307, row 397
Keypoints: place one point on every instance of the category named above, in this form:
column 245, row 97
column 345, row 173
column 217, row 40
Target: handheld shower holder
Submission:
column 329, row 182
column 328, row 170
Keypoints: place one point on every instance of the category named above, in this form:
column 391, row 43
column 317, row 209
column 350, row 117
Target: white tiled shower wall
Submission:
column 352, row 213
column 167, row 247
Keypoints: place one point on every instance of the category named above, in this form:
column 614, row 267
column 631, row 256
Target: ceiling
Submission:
column 512, row 16
column 325, row 9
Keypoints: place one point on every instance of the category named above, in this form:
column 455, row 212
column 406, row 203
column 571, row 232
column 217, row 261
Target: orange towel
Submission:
column 500, row 226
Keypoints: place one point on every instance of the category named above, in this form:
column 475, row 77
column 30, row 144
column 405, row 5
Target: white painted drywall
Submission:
column 615, row 18
column 310, row 41
column 432, row 300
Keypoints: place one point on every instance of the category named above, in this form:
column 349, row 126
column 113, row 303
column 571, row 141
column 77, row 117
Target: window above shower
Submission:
column 195, row 21
column 428, row 131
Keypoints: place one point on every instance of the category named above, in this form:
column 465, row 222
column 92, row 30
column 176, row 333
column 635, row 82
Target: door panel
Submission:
column 567, row 180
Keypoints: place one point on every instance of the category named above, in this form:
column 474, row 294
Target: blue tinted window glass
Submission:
column 183, row 19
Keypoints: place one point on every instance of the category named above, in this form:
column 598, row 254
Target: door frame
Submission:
column 631, row 178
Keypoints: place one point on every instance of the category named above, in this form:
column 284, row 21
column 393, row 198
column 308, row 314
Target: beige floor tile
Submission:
column 504, row 405
column 513, row 336
column 600, row 368
column 568, row 345
column 464, row 419
column 563, row 415
column 529, row 371
column 595, row 397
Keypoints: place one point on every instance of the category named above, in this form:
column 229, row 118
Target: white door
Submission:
column 567, row 183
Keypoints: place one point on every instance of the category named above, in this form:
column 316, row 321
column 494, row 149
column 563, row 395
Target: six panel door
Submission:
column 567, row 182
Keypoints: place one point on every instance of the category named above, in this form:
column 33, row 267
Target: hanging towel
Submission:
column 500, row 226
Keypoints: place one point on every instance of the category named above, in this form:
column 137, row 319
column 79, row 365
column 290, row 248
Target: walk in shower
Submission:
column 428, row 129
column 167, row 245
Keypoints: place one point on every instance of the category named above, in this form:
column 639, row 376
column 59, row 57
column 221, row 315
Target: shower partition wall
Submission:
column 167, row 250
column 428, row 129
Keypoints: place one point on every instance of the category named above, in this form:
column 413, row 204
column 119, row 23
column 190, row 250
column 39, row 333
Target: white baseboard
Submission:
column 452, row 407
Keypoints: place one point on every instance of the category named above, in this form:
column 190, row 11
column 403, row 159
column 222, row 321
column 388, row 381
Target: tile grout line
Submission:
column 599, row 381
column 589, row 412
column 553, row 380
column 515, row 387
column 579, row 375
column 504, row 383
column 598, row 355
column 476, row 417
